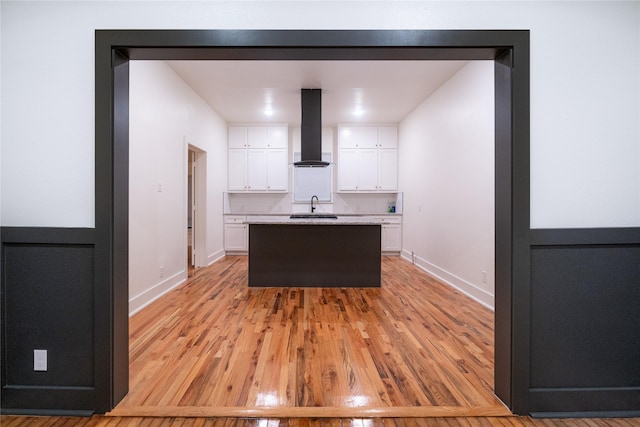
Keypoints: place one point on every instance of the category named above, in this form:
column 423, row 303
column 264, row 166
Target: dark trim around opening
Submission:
column 510, row 51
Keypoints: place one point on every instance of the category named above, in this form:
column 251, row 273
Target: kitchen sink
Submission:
column 313, row 216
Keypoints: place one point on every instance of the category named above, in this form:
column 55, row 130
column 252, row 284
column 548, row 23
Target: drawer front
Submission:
column 234, row 219
column 386, row 219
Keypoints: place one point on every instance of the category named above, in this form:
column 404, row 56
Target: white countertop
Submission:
column 340, row 215
column 286, row 220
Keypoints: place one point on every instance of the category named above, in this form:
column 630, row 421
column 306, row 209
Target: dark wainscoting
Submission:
column 48, row 303
column 585, row 322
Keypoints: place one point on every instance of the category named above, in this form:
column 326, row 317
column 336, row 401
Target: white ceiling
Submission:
column 386, row 91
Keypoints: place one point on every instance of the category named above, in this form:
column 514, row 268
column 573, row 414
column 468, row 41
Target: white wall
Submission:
column 585, row 93
column 446, row 164
column 165, row 115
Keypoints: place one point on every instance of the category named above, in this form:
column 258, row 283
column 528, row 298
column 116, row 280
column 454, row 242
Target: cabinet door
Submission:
column 237, row 170
column 277, row 170
column 388, row 170
column 347, row 137
column 277, row 137
column 257, row 137
column 367, row 137
column 257, row 170
column 387, row 137
column 348, row 169
column 367, row 169
column 391, row 238
column 235, row 237
column 237, row 136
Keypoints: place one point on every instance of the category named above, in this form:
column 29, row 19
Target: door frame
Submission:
column 508, row 49
column 199, row 222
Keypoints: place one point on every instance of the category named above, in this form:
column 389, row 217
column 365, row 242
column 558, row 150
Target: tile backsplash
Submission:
column 282, row 203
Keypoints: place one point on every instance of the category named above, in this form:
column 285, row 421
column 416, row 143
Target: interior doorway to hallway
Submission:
column 196, row 207
column 190, row 211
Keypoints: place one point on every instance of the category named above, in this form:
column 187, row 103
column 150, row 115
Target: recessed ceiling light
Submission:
column 268, row 110
column 358, row 111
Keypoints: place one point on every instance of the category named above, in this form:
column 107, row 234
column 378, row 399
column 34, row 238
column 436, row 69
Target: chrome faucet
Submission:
column 313, row 208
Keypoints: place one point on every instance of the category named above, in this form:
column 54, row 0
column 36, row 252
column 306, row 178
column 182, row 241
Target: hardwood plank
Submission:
column 102, row 421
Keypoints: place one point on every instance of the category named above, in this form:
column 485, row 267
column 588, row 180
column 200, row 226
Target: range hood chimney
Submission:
column 311, row 129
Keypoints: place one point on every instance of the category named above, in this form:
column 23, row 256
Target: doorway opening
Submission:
column 508, row 49
column 190, row 211
column 196, row 207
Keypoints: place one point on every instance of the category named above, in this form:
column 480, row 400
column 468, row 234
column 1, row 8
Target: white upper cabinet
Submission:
column 256, row 137
column 237, row 170
column 277, row 169
column 237, row 137
column 257, row 169
column 367, row 169
column 348, row 137
column 388, row 169
column 258, row 158
column 357, row 137
column 367, row 158
column 277, row 137
column 388, row 137
column 348, row 166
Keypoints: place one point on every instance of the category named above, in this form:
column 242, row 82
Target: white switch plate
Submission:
column 39, row 360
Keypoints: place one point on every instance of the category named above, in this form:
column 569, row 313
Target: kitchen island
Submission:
column 314, row 252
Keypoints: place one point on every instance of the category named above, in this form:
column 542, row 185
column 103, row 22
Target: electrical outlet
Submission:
column 39, row 360
column 161, row 271
column 484, row 277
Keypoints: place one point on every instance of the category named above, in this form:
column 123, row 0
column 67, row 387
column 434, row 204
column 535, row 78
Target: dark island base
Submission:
column 314, row 255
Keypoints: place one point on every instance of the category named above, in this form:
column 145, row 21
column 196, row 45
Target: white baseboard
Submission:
column 480, row 295
column 142, row 300
column 216, row 256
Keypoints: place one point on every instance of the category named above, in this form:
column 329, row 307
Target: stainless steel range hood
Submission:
column 311, row 129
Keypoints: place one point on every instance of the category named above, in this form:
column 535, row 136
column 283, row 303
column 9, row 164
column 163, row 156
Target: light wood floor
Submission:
column 213, row 347
column 100, row 421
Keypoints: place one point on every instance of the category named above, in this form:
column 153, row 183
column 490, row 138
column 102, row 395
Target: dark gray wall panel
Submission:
column 46, row 308
column 48, row 303
column 587, row 304
column 585, row 321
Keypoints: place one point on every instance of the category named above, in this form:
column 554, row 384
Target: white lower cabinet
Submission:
column 391, row 237
column 236, row 234
column 391, row 234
